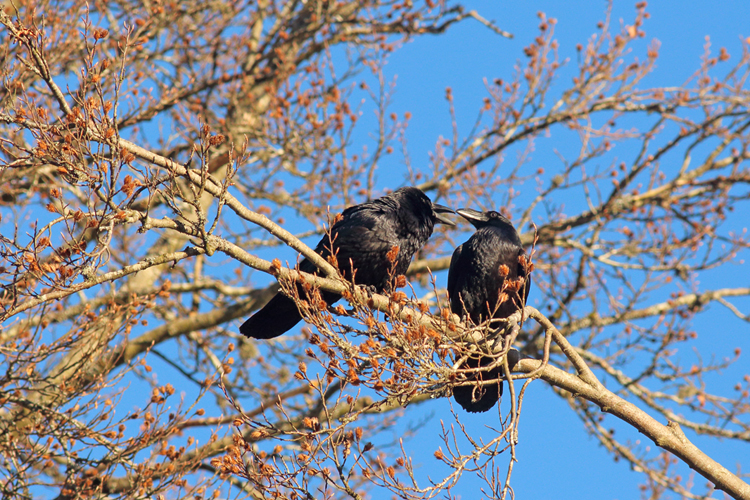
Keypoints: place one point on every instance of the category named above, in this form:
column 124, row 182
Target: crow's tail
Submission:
column 277, row 317
column 274, row 319
column 480, row 398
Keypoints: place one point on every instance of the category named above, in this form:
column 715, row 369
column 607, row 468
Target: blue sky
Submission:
column 556, row 457
column 557, row 460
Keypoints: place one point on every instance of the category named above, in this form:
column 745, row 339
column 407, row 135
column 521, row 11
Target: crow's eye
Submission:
column 493, row 215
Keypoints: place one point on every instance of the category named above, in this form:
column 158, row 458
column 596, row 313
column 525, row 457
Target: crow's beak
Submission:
column 439, row 209
column 473, row 216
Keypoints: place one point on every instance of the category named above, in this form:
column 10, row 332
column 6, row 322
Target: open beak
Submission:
column 439, row 210
column 473, row 216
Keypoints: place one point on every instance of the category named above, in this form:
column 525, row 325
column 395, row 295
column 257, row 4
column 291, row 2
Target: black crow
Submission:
column 487, row 279
column 361, row 239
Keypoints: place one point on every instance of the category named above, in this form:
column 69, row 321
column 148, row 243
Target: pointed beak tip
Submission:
column 444, row 220
column 439, row 210
column 471, row 215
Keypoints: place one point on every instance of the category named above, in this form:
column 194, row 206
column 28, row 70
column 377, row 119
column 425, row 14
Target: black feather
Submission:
column 475, row 286
column 361, row 240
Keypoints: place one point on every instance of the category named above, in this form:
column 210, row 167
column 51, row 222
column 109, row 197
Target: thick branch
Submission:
column 669, row 437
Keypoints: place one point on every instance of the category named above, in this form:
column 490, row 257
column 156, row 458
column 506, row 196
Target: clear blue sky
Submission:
column 557, row 459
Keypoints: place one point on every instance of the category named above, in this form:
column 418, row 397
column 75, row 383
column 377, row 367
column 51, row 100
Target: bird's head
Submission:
column 415, row 198
column 483, row 219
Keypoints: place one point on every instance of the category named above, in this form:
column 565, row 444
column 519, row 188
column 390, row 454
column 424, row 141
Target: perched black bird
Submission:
column 361, row 240
column 487, row 279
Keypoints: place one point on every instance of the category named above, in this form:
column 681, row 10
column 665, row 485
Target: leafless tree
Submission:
column 157, row 158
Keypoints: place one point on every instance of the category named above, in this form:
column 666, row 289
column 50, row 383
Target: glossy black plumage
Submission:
column 475, row 288
column 361, row 239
